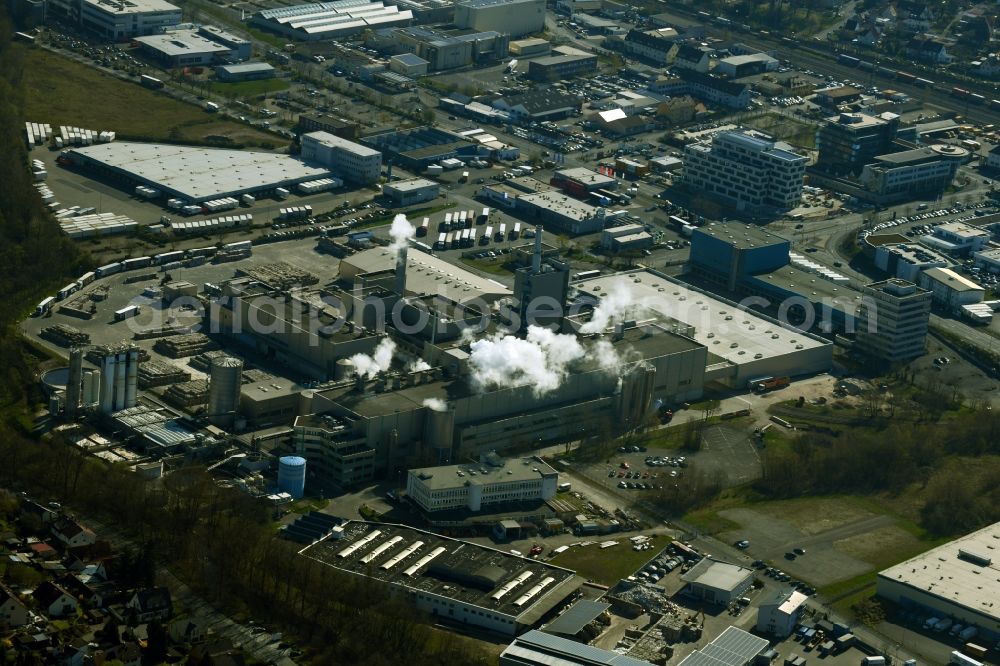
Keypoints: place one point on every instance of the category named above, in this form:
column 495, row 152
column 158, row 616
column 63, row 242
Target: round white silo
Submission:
column 292, row 475
column 343, row 369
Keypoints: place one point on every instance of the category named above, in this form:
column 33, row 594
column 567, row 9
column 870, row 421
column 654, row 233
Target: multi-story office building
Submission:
column 751, row 172
column 892, row 320
column 849, row 141
column 335, row 461
column 480, row 487
column 566, row 62
column 352, row 161
column 512, row 17
column 922, row 172
column 119, row 20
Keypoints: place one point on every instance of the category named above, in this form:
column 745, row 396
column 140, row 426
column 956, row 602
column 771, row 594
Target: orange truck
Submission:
column 765, row 384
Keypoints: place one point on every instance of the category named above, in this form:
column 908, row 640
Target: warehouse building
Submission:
column 184, row 48
column 409, row 64
column 354, row 162
column 515, row 18
column 192, row 174
column 413, row 191
column 779, row 615
column 988, row 260
column 447, row 50
column 957, row 580
column 242, row 49
column 345, row 129
column 565, row 63
column 539, row 105
column 247, row 71
column 626, row 237
column 118, row 21
column 950, row 290
column 456, row 582
column 490, row 484
column 326, row 20
column 748, row 170
column 536, row 648
column 418, row 148
column 741, row 343
column 717, row 582
column 556, row 210
column 738, row 66
column 733, row 647
column 581, row 181
column 530, row 48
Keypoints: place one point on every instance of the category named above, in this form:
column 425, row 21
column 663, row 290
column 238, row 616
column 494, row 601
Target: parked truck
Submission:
column 944, row 625
column 765, row 384
column 959, row 659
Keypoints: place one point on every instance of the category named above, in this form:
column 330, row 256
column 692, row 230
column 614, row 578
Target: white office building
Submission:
column 478, row 487
column 949, row 289
column 117, row 20
column 892, row 320
column 957, row 238
column 352, row 161
column 779, row 615
column 512, row 17
column 747, row 169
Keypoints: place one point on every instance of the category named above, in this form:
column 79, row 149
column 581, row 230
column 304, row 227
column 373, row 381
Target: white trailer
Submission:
column 126, row 312
column 44, row 306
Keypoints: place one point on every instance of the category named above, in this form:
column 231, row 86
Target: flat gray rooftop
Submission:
column 459, row 570
column 451, row 476
column 741, row 236
column 721, row 327
column 199, row 174
column 964, row 572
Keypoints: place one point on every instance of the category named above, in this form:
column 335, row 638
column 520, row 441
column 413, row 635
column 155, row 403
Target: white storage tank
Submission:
column 292, row 475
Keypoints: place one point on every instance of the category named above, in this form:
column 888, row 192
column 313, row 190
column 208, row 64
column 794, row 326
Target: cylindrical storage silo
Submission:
column 74, row 382
column 107, row 392
column 131, row 377
column 439, row 435
column 343, row 369
column 119, row 399
column 306, row 402
column 224, row 384
column 636, row 395
column 292, row 476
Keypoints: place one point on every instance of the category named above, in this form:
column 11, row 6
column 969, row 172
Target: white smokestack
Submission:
column 401, row 232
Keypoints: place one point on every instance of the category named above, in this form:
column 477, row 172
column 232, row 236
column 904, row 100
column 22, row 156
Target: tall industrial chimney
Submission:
column 399, row 285
column 536, row 259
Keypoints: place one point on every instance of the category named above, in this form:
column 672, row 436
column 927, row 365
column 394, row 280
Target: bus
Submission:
column 44, row 306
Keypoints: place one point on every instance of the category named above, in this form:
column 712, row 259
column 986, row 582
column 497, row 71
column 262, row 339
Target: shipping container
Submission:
column 126, row 312
column 44, row 306
column 108, row 269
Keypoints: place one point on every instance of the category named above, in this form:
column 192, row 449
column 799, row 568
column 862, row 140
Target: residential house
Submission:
column 975, row 29
column 914, row 16
column 129, row 654
column 692, row 57
column 13, row 613
column 54, row 600
column 187, row 630
column 929, row 49
column 659, row 46
column 30, row 508
column 71, row 534
column 988, row 67
column 44, row 551
column 151, row 604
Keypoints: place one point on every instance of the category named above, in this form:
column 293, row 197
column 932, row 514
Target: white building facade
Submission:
column 477, row 487
column 354, row 162
column 512, row 17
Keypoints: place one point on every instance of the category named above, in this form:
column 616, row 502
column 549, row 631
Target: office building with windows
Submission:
column 483, row 486
column 747, row 169
column 352, row 161
column 893, row 319
column 849, row 141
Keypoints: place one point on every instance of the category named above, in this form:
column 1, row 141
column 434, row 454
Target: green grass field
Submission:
column 248, row 88
column 60, row 91
column 608, row 566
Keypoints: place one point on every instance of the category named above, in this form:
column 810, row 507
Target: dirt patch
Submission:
column 874, row 546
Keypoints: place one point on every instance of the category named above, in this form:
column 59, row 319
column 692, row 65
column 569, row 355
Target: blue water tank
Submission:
column 292, row 475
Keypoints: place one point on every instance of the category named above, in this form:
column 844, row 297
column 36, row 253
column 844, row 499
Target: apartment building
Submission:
column 749, row 170
column 892, row 320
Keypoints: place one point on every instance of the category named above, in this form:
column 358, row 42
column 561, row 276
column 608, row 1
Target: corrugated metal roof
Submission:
column 541, row 648
column 576, row 618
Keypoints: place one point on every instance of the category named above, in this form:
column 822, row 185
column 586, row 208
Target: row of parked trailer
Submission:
column 295, row 212
column 321, row 185
column 212, row 224
column 146, row 192
column 37, row 133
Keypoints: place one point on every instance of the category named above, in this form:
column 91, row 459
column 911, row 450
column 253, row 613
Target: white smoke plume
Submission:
column 607, row 357
column 435, row 404
column 612, row 308
column 369, row 366
column 541, row 360
column 400, row 232
column 419, row 365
